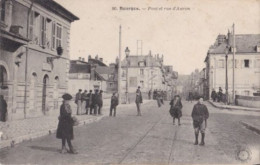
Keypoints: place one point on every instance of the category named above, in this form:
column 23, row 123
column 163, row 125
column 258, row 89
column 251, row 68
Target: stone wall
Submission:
column 248, row 101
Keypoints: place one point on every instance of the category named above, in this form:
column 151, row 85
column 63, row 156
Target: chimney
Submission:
column 79, row 58
column 101, row 59
column 83, row 59
column 96, row 57
column 150, row 53
column 89, row 57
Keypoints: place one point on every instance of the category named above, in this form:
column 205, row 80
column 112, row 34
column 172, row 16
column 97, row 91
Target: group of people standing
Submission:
column 217, row 96
column 89, row 103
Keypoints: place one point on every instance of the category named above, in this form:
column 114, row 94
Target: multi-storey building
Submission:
column 148, row 72
column 34, row 60
column 246, row 68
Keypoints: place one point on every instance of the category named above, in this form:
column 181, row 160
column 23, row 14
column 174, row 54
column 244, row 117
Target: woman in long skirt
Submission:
column 65, row 126
column 175, row 110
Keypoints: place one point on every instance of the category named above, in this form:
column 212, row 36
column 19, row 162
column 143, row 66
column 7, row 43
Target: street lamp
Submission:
column 226, row 52
column 127, row 52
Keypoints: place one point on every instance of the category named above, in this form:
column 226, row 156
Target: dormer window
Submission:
column 141, row 63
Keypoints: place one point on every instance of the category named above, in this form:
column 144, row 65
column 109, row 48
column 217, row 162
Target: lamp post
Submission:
column 127, row 52
column 226, row 86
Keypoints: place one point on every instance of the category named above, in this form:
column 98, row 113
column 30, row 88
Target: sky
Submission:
column 182, row 36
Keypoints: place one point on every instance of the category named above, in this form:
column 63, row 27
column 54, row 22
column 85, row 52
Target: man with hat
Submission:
column 100, row 102
column 114, row 103
column 78, row 102
column 138, row 101
column 90, row 97
column 65, row 126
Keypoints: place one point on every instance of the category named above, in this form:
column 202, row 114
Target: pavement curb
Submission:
column 250, row 127
column 10, row 143
column 232, row 108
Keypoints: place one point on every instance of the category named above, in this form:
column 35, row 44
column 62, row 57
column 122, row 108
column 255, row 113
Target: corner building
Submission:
column 34, row 56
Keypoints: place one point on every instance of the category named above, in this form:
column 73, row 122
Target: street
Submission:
column 151, row 138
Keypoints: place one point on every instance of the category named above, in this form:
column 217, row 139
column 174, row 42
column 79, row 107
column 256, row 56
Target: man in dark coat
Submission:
column 89, row 104
column 65, row 126
column 3, row 108
column 175, row 110
column 150, row 94
column 214, row 95
column 190, row 97
column 114, row 103
column 220, row 95
column 138, row 101
column 95, row 101
column 200, row 115
column 100, row 102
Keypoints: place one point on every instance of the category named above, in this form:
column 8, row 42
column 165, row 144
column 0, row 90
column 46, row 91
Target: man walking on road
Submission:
column 78, row 102
column 138, row 101
column 114, row 103
column 200, row 114
column 89, row 102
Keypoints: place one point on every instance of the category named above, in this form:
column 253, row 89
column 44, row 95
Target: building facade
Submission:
column 246, row 68
column 148, row 72
column 34, row 61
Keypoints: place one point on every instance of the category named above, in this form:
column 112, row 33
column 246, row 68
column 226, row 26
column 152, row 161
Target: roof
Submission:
column 79, row 68
column 103, row 72
column 95, row 61
column 58, row 9
column 149, row 60
column 244, row 43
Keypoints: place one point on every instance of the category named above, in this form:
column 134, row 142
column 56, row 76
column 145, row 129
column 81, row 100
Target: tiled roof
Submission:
column 104, row 72
column 244, row 43
column 79, row 68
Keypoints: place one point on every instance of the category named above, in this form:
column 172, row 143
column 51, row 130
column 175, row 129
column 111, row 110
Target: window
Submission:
column 2, row 10
column 111, row 85
column 43, row 31
column 231, row 63
column 58, row 35
column 247, row 93
column 53, row 35
column 141, row 71
column 3, row 76
column 246, row 63
column 31, row 25
column 142, row 83
column 221, row 63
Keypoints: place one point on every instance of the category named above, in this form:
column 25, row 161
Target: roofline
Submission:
column 54, row 6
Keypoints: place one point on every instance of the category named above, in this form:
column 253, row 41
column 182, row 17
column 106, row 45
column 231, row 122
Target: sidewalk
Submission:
column 232, row 107
column 253, row 125
column 17, row 131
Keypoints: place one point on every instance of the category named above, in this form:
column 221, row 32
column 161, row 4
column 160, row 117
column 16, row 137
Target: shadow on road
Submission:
column 44, row 148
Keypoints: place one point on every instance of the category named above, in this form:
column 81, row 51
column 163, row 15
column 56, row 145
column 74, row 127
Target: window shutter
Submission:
column 251, row 64
column 242, row 64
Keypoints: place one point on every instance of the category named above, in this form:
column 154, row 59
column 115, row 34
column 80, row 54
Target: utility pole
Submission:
column 119, row 69
column 234, row 49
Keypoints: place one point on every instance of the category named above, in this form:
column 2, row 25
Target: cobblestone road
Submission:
column 151, row 138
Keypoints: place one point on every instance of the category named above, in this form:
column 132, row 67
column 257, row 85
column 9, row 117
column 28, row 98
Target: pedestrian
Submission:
column 155, row 94
column 84, row 98
column 100, row 102
column 3, row 108
column 65, row 126
column 138, row 101
column 114, row 103
column 161, row 96
column 190, row 97
column 175, row 110
column 220, row 95
column 150, row 94
column 89, row 105
column 158, row 98
column 213, row 95
column 78, row 102
column 200, row 115
column 94, row 101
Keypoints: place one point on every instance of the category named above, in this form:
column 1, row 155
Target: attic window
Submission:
column 246, row 63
